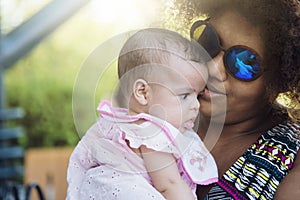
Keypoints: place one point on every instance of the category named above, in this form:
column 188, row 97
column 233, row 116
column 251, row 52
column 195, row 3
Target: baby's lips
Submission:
column 189, row 124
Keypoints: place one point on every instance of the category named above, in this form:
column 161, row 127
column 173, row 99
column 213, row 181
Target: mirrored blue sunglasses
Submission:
column 242, row 62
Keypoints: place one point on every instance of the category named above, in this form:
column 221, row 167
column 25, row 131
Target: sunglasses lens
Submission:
column 242, row 63
column 206, row 36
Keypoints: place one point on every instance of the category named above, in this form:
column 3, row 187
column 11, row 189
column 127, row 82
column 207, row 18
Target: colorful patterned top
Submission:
column 259, row 171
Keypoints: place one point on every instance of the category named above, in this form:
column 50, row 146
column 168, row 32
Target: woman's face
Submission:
column 239, row 100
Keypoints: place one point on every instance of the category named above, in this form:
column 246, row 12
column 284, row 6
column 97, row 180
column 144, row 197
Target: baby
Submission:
column 147, row 149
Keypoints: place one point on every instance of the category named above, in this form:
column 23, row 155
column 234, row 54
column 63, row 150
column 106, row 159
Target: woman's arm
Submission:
column 163, row 170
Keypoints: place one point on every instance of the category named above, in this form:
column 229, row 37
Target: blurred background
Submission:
column 43, row 46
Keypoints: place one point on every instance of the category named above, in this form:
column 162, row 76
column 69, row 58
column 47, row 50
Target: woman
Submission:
column 255, row 50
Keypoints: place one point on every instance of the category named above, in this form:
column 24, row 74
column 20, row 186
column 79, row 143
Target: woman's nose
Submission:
column 216, row 68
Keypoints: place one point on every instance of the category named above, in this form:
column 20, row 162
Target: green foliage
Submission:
column 46, row 97
column 42, row 84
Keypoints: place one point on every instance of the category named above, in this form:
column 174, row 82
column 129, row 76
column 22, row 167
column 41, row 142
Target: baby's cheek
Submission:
column 158, row 111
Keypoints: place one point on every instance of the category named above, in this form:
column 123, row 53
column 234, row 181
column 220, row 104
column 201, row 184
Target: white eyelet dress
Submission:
column 103, row 166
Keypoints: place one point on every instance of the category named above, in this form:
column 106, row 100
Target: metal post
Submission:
column 25, row 37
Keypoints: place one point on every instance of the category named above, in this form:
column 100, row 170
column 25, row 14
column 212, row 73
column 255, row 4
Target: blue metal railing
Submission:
column 11, row 154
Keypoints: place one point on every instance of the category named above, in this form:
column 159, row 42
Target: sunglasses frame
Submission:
column 205, row 22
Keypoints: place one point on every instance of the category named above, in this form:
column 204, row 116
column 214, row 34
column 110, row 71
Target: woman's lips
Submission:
column 208, row 94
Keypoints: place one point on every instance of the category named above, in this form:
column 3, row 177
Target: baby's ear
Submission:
column 141, row 91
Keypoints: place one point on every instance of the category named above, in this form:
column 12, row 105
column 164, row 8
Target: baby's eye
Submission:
column 184, row 96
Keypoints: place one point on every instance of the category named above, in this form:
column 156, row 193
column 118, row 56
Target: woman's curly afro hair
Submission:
column 280, row 22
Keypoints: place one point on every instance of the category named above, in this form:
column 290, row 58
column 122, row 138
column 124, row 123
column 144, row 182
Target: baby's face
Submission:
column 174, row 96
